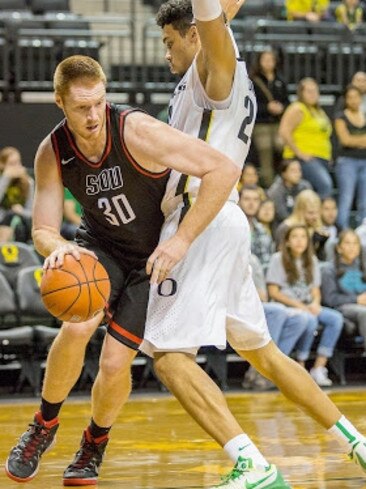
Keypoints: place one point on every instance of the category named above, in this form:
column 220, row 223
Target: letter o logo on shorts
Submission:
column 168, row 287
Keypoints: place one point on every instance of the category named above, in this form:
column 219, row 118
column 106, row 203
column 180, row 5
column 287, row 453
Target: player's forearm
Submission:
column 46, row 240
column 214, row 191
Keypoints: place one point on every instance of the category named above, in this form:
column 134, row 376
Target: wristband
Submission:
column 206, row 10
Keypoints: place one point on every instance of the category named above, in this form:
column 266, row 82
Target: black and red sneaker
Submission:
column 84, row 469
column 24, row 459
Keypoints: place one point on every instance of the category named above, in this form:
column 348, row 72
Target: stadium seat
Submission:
column 14, row 257
column 8, row 306
column 13, row 5
column 43, row 6
column 256, row 8
column 27, row 290
column 16, row 353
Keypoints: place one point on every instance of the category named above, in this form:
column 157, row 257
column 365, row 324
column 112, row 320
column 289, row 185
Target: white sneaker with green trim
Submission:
column 358, row 454
column 245, row 476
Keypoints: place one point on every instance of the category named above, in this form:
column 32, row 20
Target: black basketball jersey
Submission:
column 120, row 199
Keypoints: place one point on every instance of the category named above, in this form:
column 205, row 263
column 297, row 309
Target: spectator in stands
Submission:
column 306, row 131
column 306, row 212
column 262, row 244
column 349, row 13
column 286, row 187
column 350, row 129
column 359, row 81
column 286, row 326
column 293, row 279
column 16, row 197
column 309, row 10
column 72, row 216
column 266, row 215
column 272, row 99
column 344, row 282
column 328, row 214
column 250, row 176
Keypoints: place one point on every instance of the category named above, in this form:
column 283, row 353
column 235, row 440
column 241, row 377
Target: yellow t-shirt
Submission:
column 354, row 17
column 305, row 6
column 312, row 135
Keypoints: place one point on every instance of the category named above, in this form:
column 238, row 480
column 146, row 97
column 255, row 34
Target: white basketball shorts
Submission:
column 209, row 298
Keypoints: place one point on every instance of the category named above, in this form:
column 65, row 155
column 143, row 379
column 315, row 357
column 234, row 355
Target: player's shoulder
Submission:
column 45, row 150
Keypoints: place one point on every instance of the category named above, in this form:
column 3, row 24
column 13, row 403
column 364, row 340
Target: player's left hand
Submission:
column 231, row 7
column 165, row 256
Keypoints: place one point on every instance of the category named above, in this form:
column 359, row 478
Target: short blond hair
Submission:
column 6, row 152
column 75, row 68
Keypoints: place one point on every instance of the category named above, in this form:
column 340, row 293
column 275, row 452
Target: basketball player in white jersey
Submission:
column 210, row 297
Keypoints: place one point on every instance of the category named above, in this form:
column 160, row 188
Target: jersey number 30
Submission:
column 118, row 210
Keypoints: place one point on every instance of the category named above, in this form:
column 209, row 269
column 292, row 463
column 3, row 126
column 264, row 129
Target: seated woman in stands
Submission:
column 306, row 131
column 309, row 10
column 16, row 197
column 293, row 279
column 306, row 212
column 349, row 13
column 344, row 282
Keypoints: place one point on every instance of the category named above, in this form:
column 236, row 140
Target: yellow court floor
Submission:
column 155, row 445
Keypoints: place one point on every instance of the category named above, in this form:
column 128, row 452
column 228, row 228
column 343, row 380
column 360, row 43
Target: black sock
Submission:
column 97, row 431
column 50, row 410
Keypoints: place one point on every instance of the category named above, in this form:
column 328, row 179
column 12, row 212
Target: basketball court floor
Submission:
column 155, row 445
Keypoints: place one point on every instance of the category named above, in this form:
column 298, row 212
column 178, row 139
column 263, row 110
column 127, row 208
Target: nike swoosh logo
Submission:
column 249, row 485
column 65, row 162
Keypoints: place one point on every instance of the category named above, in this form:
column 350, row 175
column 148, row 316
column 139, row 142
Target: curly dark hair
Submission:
column 176, row 12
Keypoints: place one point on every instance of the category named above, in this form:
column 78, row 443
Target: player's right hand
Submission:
column 165, row 256
column 56, row 258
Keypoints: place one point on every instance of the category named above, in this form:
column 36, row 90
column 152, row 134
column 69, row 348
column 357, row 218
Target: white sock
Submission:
column 242, row 446
column 345, row 433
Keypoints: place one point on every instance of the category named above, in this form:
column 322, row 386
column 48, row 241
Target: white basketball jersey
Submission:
column 227, row 129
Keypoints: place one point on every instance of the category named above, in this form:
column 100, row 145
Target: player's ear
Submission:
column 193, row 34
column 58, row 101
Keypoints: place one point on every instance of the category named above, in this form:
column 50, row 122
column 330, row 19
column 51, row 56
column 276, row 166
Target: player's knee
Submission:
column 77, row 332
column 114, row 366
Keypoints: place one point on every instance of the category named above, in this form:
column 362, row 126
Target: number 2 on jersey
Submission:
column 249, row 105
column 118, row 210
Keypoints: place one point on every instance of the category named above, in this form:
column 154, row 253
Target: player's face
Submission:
column 297, row 241
column 84, row 107
column 349, row 248
column 180, row 50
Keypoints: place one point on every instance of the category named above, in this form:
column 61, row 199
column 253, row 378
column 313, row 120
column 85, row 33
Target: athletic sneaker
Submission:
column 245, row 476
column 320, row 375
column 23, row 462
column 84, row 469
column 358, row 454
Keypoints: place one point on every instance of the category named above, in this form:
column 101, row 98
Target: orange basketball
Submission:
column 77, row 291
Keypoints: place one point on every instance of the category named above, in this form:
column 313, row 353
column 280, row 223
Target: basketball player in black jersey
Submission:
column 116, row 162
